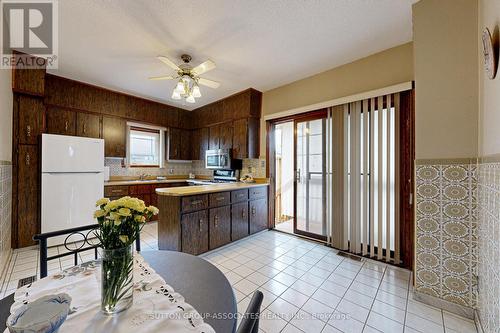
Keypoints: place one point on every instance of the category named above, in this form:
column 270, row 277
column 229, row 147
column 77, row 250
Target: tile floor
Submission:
column 307, row 287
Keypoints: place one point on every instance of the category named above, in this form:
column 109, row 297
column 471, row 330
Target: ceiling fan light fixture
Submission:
column 190, row 99
column 179, row 87
column 176, row 95
column 196, row 91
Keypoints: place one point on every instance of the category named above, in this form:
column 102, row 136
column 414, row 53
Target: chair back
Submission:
column 81, row 239
column 250, row 321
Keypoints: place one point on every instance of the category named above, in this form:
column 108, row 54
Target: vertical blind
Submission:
column 365, row 169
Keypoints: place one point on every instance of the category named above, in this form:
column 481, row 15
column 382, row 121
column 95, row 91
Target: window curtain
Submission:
column 363, row 177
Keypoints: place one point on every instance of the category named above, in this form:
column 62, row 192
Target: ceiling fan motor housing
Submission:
column 186, row 58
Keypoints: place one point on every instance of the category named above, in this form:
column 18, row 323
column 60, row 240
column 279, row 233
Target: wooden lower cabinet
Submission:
column 220, row 226
column 194, row 228
column 239, row 220
column 202, row 222
column 258, row 215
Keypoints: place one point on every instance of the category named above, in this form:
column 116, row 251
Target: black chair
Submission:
column 85, row 243
column 250, row 321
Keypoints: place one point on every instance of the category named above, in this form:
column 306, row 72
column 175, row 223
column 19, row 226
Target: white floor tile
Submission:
column 384, row 324
column 353, row 310
column 458, row 324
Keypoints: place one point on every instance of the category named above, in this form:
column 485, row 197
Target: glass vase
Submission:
column 117, row 280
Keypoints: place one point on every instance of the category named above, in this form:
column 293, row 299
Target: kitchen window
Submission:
column 145, row 146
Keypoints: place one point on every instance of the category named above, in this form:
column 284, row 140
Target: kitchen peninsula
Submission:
column 196, row 219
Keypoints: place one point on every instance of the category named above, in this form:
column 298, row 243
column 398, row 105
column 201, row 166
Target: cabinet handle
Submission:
column 28, row 131
column 200, row 221
column 84, row 128
column 196, row 202
column 216, row 220
column 220, row 198
column 66, row 125
column 27, row 158
column 253, row 211
column 243, row 213
column 241, row 195
column 116, row 191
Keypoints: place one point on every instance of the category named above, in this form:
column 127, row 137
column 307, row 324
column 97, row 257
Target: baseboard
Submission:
column 457, row 309
column 4, row 269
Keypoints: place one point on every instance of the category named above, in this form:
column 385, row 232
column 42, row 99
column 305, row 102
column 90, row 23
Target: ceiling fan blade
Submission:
column 165, row 77
column 203, row 67
column 168, row 62
column 209, row 83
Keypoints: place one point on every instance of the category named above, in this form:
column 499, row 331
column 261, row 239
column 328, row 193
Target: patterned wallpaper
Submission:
column 489, row 246
column 446, row 232
column 5, row 212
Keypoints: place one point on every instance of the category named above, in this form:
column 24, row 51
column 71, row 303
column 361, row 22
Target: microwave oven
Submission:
column 221, row 159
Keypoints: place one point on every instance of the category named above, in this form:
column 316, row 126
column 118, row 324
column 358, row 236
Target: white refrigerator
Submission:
column 72, row 181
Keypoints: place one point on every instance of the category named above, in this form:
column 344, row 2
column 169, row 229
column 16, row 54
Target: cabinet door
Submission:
column 195, row 232
column 214, row 135
column 30, row 119
column 88, row 125
column 226, row 136
column 258, row 215
column 195, row 144
column 204, row 138
column 220, row 226
column 114, row 133
column 240, row 138
column 28, row 187
column 239, row 221
column 61, row 121
column 185, row 150
column 174, row 144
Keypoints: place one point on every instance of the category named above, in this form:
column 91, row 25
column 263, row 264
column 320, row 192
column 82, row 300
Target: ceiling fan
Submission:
column 189, row 77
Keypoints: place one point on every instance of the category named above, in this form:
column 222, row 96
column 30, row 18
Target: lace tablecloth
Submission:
column 156, row 308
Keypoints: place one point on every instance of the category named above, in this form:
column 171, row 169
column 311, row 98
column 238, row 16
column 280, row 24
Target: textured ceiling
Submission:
column 255, row 43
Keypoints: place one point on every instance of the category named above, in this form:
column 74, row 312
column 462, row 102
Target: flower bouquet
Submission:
column 120, row 221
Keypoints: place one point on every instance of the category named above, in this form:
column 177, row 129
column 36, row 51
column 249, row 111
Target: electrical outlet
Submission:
column 262, row 163
column 170, row 171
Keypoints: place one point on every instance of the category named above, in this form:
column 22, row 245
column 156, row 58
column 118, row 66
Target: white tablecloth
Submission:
column 156, row 308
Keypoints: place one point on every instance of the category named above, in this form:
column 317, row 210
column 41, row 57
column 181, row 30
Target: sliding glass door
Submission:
column 311, row 176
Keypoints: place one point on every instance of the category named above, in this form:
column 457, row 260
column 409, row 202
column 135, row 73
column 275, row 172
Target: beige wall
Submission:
column 379, row 70
column 5, row 115
column 489, row 90
column 446, row 78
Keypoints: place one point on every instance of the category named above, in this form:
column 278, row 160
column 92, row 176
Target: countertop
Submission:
column 204, row 189
column 145, row 181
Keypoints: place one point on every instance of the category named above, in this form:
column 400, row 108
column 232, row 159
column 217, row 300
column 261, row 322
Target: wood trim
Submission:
column 407, row 172
column 142, row 129
column 271, row 173
column 235, row 94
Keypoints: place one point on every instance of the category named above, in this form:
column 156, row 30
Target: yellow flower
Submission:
column 99, row 213
column 101, row 202
column 117, row 222
column 153, row 210
column 114, row 216
column 140, row 218
column 124, row 212
column 124, row 238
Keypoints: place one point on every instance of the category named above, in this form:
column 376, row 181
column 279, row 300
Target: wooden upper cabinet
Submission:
column 245, row 104
column 199, row 142
column 226, row 136
column 88, row 125
column 29, row 81
column 114, row 133
column 185, row 151
column 214, row 137
column 174, row 144
column 240, row 138
column 28, row 189
column 61, row 121
column 30, row 119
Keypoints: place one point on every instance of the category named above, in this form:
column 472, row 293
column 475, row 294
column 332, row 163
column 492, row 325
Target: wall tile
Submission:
column 5, row 213
column 446, row 217
column 489, row 246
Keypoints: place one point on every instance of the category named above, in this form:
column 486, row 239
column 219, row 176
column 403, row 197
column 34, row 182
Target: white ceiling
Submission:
column 255, row 43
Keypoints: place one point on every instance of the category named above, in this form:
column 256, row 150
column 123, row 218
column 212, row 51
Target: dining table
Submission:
column 202, row 285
